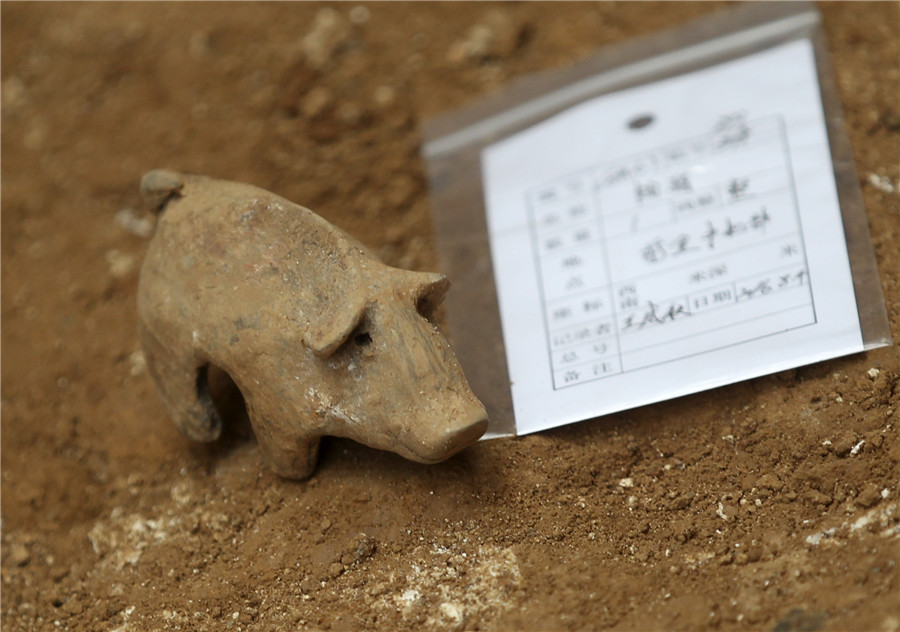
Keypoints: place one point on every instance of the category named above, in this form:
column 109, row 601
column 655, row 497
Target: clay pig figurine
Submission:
column 320, row 336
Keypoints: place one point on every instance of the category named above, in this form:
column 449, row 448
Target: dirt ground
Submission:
column 770, row 504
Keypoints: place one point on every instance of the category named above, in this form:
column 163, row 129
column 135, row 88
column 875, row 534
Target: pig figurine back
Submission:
column 320, row 336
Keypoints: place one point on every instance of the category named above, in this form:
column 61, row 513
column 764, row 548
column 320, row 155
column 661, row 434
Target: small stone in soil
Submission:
column 869, row 496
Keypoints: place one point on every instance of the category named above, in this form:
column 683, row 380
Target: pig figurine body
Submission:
column 320, row 337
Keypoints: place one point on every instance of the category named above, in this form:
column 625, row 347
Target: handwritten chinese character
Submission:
column 680, row 182
column 681, row 244
column 761, row 289
column 731, row 129
column 654, row 315
column 646, row 190
column 710, row 234
column 759, row 220
column 738, row 187
column 654, row 252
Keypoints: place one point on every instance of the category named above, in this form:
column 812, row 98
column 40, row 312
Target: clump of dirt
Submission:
column 770, row 504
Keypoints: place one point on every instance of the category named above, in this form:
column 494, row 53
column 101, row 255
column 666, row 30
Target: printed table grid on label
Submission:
column 635, row 258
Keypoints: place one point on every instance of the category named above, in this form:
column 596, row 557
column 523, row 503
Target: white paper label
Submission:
column 668, row 239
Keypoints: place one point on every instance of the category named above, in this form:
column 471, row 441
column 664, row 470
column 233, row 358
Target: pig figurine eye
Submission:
column 426, row 308
column 358, row 339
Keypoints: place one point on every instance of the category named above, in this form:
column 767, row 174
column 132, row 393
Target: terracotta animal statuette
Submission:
column 320, row 336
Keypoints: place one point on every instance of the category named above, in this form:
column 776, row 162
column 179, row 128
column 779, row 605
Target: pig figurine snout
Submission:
column 424, row 406
column 321, row 337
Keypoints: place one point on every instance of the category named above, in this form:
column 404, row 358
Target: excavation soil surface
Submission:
column 771, row 504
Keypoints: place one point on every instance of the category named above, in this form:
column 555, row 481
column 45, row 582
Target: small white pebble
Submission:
column 120, row 263
column 720, row 512
column 855, row 449
column 129, row 219
column 138, row 363
column 626, row 482
column 235, row 615
column 873, row 373
column 882, row 183
column 885, row 492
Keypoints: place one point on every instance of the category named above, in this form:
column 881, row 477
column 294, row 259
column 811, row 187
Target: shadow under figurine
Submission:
column 320, row 336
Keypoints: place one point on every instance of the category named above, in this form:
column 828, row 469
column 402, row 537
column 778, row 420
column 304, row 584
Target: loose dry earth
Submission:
column 770, row 504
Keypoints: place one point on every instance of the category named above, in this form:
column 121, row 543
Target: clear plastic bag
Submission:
column 454, row 144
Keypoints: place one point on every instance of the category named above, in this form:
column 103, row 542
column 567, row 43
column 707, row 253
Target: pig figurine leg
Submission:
column 289, row 453
column 182, row 383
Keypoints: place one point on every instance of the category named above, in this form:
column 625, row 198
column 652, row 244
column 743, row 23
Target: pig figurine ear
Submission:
column 332, row 329
column 428, row 289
